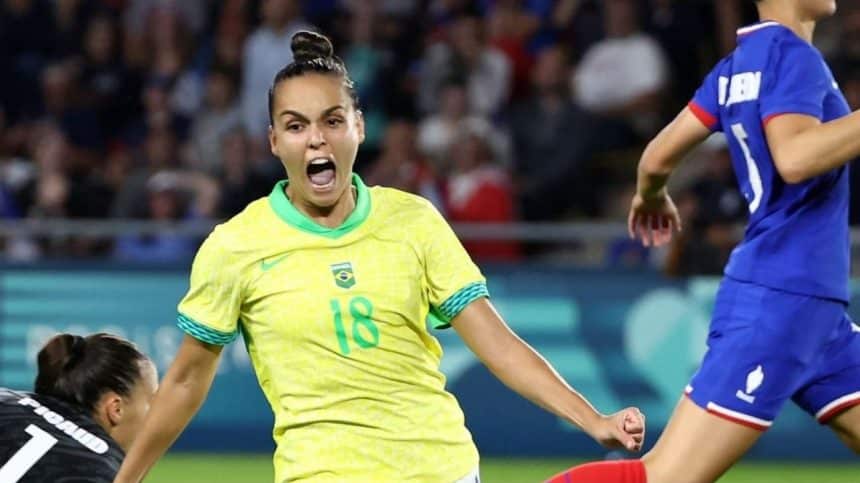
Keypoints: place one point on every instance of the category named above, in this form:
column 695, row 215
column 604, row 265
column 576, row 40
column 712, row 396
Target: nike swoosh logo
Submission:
column 266, row 266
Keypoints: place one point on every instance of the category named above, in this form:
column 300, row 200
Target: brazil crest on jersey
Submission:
column 797, row 236
column 335, row 323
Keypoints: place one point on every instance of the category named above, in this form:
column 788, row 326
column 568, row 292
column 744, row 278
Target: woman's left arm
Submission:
column 525, row 371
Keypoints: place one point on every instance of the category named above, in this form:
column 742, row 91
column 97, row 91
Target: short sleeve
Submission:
column 705, row 104
column 210, row 310
column 798, row 83
column 453, row 281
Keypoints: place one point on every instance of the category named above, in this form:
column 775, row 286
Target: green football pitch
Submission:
column 194, row 468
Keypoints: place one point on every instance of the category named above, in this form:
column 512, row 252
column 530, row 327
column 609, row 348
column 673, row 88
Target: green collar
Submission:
column 287, row 212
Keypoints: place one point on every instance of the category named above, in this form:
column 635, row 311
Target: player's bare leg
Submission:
column 696, row 446
column 847, row 427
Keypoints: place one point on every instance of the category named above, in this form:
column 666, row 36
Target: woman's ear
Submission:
column 359, row 124
column 273, row 141
column 110, row 408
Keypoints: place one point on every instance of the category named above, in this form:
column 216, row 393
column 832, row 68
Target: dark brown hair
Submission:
column 312, row 52
column 79, row 370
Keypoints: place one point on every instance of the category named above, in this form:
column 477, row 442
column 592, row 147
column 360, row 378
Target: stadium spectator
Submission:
column 64, row 105
column 243, row 178
column 109, row 86
column 437, row 132
column 170, row 44
column 466, row 54
column 400, row 165
column 442, row 14
column 480, row 190
column 510, row 27
column 399, row 30
column 15, row 173
column 625, row 74
column 64, row 188
column 228, row 41
column 553, row 141
column 577, row 24
column 26, row 47
column 266, row 51
column 219, row 116
column 682, row 29
column 138, row 14
column 370, row 64
column 159, row 152
column 158, row 114
column 166, row 202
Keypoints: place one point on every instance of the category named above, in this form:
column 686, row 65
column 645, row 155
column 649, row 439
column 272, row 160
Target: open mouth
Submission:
column 321, row 172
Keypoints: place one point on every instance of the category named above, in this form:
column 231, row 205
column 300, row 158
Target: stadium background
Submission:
column 129, row 127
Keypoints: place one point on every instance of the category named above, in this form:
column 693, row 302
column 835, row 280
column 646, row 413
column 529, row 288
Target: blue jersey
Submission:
column 797, row 236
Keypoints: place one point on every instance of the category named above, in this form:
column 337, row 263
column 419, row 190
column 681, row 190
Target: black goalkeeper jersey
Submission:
column 44, row 440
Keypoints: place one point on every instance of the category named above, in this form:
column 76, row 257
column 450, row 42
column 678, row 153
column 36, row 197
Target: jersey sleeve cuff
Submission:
column 702, row 114
column 806, row 109
column 204, row 333
column 441, row 316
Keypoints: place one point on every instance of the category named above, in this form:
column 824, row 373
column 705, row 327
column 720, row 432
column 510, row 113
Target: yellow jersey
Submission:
column 336, row 324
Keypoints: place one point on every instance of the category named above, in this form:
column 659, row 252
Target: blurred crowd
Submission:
column 495, row 110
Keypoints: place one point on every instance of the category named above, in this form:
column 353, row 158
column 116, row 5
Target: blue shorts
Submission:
column 766, row 346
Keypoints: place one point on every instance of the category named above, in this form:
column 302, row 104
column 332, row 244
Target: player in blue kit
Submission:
column 779, row 330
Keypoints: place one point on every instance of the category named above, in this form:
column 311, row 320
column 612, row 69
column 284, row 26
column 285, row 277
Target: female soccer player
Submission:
column 779, row 329
column 90, row 399
column 332, row 283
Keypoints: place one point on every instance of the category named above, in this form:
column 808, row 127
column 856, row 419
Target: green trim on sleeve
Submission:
column 289, row 214
column 436, row 320
column 440, row 317
column 204, row 333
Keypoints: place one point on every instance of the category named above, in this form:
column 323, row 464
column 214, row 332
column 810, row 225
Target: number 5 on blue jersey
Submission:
column 752, row 170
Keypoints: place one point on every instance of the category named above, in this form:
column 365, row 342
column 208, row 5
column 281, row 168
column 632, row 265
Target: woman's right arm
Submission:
column 653, row 216
column 179, row 396
column 802, row 147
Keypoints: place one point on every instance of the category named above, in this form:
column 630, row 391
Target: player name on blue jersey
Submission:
column 743, row 87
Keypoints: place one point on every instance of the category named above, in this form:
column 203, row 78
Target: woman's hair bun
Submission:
column 307, row 46
column 61, row 353
column 79, row 370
